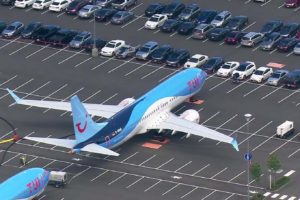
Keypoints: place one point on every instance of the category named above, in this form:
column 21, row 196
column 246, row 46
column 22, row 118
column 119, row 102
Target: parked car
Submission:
column 12, row 30
column 234, row 37
column 2, row 26
column 42, row 4
column 89, row 44
column 156, row 21
column 213, row 64
column 292, row 80
column 122, row 17
column 189, row 13
column 30, row 29
column 104, row 14
column 59, row 5
column 75, row 6
column 177, row 58
column 221, row 18
column 251, row 39
column 104, row 3
column 79, row 39
column 261, row 74
column 270, row 41
column 261, row 1
column 202, row 30
column 126, row 51
column 291, row 3
column 44, row 32
column 218, row 34
column 160, row 54
column 206, row 16
column 123, row 4
column 271, row 26
column 277, row 77
column 62, row 37
column 23, row 3
column 186, row 28
column 170, row 25
column 289, row 29
column 111, row 47
column 155, row 8
column 7, row 2
column 245, row 70
column 87, row 11
column 237, row 23
column 287, row 44
column 173, row 9
column 144, row 52
column 227, row 68
column 296, row 49
column 196, row 60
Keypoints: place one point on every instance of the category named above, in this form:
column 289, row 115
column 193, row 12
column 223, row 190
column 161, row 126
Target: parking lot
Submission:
column 192, row 168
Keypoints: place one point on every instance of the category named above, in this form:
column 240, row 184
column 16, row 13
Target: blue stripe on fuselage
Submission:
column 184, row 83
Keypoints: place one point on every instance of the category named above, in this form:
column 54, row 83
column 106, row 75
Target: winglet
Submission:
column 235, row 144
column 16, row 98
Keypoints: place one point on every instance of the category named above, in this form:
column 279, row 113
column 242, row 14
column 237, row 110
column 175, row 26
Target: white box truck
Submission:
column 285, row 129
column 57, row 178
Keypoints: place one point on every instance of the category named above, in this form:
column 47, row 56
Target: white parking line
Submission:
column 201, row 169
column 135, row 19
column 183, row 166
column 129, row 157
column 61, row 62
column 221, row 43
column 99, row 175
column 63, row 169
column 208, row 195
column 211, row 117
column 289, row 173
column 287, row 55
column 188, row 193
column 153, row 71
column 59, row 15
column 164, row 163
column 75, row 18
column 135, row 182
column 248, row 1
column 117, row 178
column 239, row 85
column 296, row 9
column 229, row 197
column 103, row 102
column 281, row 5
column 270, row 122
column 249, row 26
column 174, row 72
column 237, row 176
column 137, row 68
column 173, row 34
column 283, row 144
column 156, row 31
column 263, row 142
column 45, row 12
column 135, row 7
column 57, row 52
column 147, row 160
column 152, row 186
column 219, row 173
column 214, row 87
column 9, row 42
column 83, row 62
column 37, row 51
column 294, row 153
column 29, row 9
column 271, row 52
column 170, row 189
column 48, row 164
column 266, row 3
column 256, row 48
column 289, row 95
column 3, row 136
column 253, row 90
column 17, row 88
column 42, row 197
column 271, row 93
column 141, row 28
column 101, row 64
column 8, row 80
column 11, row 159
column 12, row 53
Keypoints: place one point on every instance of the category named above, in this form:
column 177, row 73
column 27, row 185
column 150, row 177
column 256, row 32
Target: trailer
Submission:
column 58, row 178
column 285, row 129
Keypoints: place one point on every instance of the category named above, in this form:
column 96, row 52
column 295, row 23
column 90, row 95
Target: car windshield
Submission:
column 226, row 66
column 73, row 4
column 78, row 38
column 170, row 8
column 169, row 22
column 118, row 15
column 144, row 49
column 152, row 7
column 268, row 39
column 219, row 18
column 203, row 15
column 101, row 1
column 267, row 27
column 109, row 45
column 285, row 30
column 242, row 67
column 154, row 19
column 245, row 38
column 187, row 11
column 10, row 28
column 211, row 61
column 39, row 1
column 119, row 1
column 233, row 22
column 259, row 72
column 231, row 34
column 124, row 48
column 102, row 11
column 276, row 75
column 174, row 56
column 85, row 9
column 30, row 27
column 298, row 45
column 217, row 31
column 193, row 60
column 55, row 3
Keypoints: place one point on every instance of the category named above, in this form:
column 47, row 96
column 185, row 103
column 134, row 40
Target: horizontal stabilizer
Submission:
column 53, row 141
column 95, row 148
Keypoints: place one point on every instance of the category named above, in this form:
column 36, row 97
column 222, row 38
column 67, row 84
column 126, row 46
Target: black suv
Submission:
column 45, row 32
column 178, row 57
column 292, row 80
column 172, row 10
column 62, row 38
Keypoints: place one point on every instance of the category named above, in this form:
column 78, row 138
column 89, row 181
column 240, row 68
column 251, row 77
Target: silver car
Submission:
column 87, row 11
column 297, row 49
column 251, row 39
column 104, row 3
column 79, row 39
column 13, row 29
column 277, row 77
column 144, row 52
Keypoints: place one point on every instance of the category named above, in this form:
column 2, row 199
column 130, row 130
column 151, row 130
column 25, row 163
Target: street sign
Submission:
column 248, row 156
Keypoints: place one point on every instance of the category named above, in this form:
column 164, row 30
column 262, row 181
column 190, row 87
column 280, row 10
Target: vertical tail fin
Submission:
column 84, row 126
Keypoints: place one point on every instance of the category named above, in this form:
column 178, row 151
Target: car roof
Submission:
column 263, row 68
column 88, row 6
column 15, row 23
column 150, row 44
column 193, row 5
column 116, row 41
column 223, row 13
column 251, row 34
column 84, row 33
column 281, row 71
column 158, row 15
column 197, row 56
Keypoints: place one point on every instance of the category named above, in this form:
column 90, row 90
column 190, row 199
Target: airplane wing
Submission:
column 175, row 123
column 100, row 110
column 67, row 143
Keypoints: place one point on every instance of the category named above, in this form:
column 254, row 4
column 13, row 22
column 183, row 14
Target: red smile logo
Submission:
column 79, row 128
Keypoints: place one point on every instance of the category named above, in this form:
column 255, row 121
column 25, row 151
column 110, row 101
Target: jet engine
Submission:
column 126, row 102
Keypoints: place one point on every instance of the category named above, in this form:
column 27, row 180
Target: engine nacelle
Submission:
column 126, row 102
column 190, row 115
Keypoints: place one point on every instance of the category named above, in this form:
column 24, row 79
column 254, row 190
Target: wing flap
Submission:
column 95, row 148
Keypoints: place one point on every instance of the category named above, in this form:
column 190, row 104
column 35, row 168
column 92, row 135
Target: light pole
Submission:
column 248, row 155
column 94, row 49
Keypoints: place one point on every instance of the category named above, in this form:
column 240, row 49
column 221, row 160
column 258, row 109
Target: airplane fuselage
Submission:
column 148, row 110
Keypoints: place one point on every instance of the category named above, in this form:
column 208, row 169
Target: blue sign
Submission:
column 248, row 156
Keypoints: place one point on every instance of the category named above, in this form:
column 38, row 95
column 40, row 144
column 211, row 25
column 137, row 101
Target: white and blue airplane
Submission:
column 25, row 185
column 132, row 117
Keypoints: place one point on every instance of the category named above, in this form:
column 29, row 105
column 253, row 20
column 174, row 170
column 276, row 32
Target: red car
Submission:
column 234, row 37
column 291, row 3
column 297, row 36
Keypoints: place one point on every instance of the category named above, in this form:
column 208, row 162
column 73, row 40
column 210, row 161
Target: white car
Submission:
column 23, row 3
column 261, row 74
column 42, row 4
column 156, row 21
column 59, row 5
column 196, row 61
column 111, row 47
column 244, row 70
column 227, row 68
